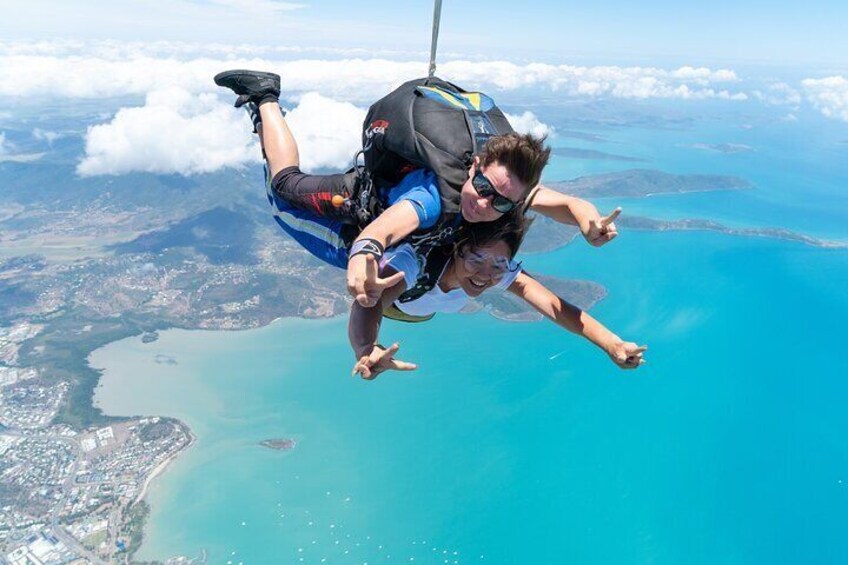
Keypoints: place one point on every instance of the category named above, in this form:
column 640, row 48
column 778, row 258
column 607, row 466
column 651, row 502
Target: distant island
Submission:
column 694, row 224
column 640, row 183
column 547, row 235
column 283, row 444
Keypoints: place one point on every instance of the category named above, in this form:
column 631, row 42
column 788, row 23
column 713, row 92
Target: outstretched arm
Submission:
column 364, row 329
column 626, row 355
column 565, row 209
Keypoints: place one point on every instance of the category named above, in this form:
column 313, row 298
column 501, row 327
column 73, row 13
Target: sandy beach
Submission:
column 160, row 468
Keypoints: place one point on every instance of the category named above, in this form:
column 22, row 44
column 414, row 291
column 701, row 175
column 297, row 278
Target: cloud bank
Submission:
column 109, row 69
column 174, row 132
column 829, row 95
column 177, row 132
column 779, row 94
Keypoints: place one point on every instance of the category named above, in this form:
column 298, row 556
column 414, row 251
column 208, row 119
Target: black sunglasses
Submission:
column 484, row 188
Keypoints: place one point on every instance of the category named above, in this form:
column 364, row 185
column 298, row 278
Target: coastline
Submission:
column 163, row 465
column 133, row 520
column 594, row 294
column 82, row 404
column 257, row 529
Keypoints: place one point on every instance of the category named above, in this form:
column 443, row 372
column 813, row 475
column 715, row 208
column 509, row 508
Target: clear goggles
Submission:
column 497, row 265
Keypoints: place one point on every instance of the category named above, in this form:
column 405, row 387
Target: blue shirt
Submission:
column 421, row 188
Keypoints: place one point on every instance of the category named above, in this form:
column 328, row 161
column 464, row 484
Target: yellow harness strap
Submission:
column 393, row 313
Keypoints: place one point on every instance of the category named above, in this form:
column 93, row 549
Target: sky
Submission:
column 151, row 63
column 806, row 35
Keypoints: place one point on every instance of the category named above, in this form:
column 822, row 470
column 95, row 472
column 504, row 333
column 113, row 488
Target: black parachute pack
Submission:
column 433, row 124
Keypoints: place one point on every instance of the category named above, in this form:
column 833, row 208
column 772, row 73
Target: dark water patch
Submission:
column 727, row 148
column 583, row 136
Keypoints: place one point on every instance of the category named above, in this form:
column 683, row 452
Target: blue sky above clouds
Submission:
column 800, row 34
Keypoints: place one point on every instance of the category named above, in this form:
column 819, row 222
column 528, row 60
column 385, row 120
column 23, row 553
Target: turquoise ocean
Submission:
column 520, row 443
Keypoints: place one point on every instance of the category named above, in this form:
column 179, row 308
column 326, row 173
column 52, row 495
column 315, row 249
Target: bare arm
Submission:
column 626, row 355
column 398, row 221
column 364, row 328
column 390, row 227
column 566, row 209
column 364, row 323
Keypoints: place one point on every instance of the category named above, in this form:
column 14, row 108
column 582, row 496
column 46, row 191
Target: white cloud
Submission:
column 608, row 81
column 328, row 132
column 22, row 157
column 779, row 94
column 6, row 152
column 180, row 132
column 97, row 77
column 116, row 69
column 829, row 95
column 529, row 123
column 174, row 132
column 46, row 135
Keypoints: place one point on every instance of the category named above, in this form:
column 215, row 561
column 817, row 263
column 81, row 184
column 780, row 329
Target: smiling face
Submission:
column 476, row 208
column 479, row 268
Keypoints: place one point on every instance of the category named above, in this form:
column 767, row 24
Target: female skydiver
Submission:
column 499, row 181
column 480, row 260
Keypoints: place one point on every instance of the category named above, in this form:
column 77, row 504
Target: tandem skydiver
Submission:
column 307, row 207
column 421, row 185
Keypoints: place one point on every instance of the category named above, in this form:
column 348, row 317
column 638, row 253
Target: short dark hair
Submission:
column 524, row 155
column 509, row 228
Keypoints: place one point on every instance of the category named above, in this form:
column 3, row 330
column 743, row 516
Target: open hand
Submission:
column 627, row 354
column 379, row 360
column 364, row 282
column 602, row 230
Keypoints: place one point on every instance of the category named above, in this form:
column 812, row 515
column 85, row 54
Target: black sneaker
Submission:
column 256, row 85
